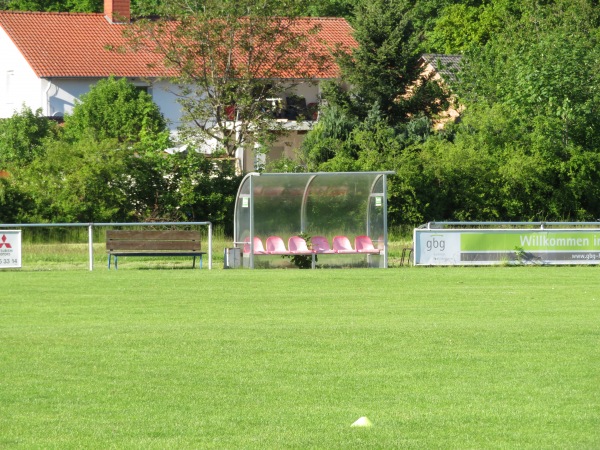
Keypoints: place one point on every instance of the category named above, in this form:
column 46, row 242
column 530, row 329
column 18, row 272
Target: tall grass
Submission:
column 66, row 248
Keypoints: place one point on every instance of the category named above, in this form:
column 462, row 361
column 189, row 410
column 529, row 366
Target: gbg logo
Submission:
column 435, row 243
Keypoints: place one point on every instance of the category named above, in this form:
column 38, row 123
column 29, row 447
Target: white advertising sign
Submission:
column 10, row 249
column 437, row 248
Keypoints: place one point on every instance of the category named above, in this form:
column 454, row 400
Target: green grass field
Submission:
column 502, row 357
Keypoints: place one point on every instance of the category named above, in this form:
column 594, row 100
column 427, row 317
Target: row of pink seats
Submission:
column 341, row 244
column 320, row 244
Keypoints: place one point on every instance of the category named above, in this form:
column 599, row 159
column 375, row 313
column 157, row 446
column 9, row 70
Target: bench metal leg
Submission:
column 109, row 256
column 200, row 262
column 116, row 259
column 406, row 252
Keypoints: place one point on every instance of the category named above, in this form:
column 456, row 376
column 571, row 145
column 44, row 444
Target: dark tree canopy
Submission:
column 525, row 148
column 53, row 5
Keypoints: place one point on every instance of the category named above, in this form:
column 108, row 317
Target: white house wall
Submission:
column 62, row 93
column 164, row 95
column 65, row 91
column 18, row 83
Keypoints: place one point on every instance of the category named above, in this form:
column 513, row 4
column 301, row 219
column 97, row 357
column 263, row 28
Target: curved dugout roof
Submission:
column 318, row 203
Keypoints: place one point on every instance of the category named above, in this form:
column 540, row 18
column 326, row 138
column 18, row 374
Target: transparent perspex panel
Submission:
column 377, row 216
column 313, row 204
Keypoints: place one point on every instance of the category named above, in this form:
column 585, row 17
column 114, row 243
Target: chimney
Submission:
column 117, row 11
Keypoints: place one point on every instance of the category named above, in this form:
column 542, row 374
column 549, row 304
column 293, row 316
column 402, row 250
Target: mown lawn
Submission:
column 502, row 357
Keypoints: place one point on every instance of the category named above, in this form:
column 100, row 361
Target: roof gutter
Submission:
column 47, row 93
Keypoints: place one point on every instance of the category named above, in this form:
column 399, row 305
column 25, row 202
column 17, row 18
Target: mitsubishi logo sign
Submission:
column 10, row 249
column 4, row 243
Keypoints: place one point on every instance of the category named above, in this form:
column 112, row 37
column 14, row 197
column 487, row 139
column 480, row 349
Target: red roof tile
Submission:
column 72, row 45
column 332, row 33
column 76, row 45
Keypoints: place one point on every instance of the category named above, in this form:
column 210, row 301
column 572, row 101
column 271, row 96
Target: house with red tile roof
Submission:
column 443, row 69
column 48, row 60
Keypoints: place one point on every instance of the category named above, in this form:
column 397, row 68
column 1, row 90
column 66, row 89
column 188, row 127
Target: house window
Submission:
column 10, row 87
column 145, row 89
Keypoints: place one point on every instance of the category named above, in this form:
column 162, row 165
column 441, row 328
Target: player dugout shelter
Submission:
column 325, row 204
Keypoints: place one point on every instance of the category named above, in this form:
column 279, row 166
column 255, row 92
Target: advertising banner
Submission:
column 513, row 246
column 10, row 249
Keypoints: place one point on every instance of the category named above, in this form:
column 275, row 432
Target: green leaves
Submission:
column 80, row 182
column 22, row 136
column 53, row 5
column 385, row 63
column 117, row 109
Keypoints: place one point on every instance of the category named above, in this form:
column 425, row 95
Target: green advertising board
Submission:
column 484, row 247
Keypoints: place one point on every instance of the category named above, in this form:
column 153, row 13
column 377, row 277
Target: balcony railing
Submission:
column 291, row 108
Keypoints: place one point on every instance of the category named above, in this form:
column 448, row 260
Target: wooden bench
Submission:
column 153, row 243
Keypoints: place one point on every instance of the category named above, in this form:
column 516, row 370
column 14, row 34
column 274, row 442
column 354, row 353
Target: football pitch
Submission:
column 497, row 357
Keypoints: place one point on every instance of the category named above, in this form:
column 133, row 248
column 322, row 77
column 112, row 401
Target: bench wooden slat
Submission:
column 137, row 245
column 162, row 253
column 171, row 235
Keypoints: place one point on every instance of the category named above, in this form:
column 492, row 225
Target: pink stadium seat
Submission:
column 258, row 246
column 363, row 244
column 341, row 244
column 276, row 246
column 320, row 244
column 297, row 246
column 246, row 245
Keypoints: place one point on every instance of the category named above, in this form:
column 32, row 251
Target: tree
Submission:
column 339, row 142
column 385, row 63
column 204, row 188
column 383, row 71
column 526, row 147
column 97, row 181
column 116, row 109
column 181, row 187
column 87, row 181
column 146, row 8
column 139, row 8
column 53, row 5
column 22, row 136
column 329, row 8
column 14, row 203
column 329, row 138
column 228, row 58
